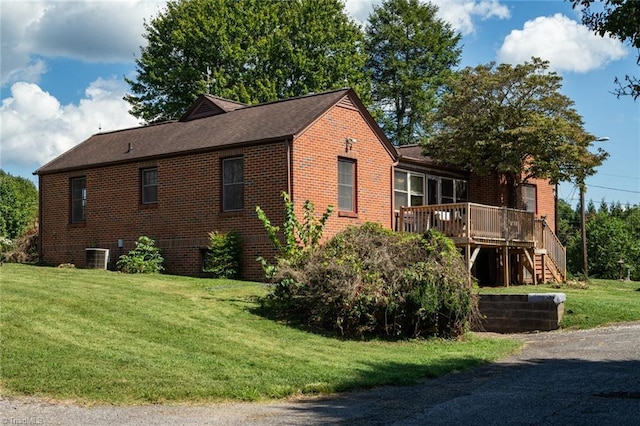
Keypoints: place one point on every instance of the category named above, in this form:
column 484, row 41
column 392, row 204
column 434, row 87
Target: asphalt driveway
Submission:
column 587, row 377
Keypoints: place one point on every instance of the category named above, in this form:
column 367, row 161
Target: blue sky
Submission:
column 63, row 64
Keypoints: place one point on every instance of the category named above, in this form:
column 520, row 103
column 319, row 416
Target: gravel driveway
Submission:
column 587, row 377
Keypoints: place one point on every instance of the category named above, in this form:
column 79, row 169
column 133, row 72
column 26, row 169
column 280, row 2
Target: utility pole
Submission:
column 585, row 266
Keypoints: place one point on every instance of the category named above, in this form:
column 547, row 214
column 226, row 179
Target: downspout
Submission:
column 394, row 219
column 40, row 231
column 290, row 168
column 555, row 210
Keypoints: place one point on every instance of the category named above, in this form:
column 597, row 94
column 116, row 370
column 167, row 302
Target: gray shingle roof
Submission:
column 246, row 125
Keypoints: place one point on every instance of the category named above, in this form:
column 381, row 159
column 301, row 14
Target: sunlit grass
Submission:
column 102, row 337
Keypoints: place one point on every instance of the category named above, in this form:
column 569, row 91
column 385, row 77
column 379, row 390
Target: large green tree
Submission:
column 411, row 56
column 18, row 205
column 618, row 19
column 245, row 50
column 513, row 121
column 613, row 237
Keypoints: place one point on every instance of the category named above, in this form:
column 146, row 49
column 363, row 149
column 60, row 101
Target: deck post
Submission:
column 505, row 264
column 467, row 256
column 532, row 263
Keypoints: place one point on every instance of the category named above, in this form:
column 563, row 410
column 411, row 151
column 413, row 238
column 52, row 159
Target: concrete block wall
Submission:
column 508, row 313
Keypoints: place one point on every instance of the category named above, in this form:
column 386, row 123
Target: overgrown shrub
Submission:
column 369, row 281
column 224, row 254
column 23, row 249
column 145, row 258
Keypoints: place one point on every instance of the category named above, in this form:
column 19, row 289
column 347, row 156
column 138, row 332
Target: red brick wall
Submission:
column 189, row 197
column 488, row 189
column 188, row 208
column 315, row 169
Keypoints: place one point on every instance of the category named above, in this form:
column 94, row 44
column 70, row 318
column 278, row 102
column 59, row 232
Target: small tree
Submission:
column 145, row 258
column 224, row 254
column 300, row 238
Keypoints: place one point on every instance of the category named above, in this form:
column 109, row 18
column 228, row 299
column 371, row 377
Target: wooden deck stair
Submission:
column 513, row 232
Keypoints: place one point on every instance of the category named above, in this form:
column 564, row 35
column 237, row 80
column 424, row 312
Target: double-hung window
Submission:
column 408, row 189
column 347, row 185
column 528, row 198
column 78, row 199
column 149, row 183
column 232, row 184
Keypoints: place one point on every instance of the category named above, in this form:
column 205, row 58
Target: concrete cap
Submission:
column 556, row 298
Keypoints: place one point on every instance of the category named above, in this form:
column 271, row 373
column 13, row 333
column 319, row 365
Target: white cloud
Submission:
column 36, row 127
column 89, row 31
column 462, row 13
column 359, row 10
column 565, row 43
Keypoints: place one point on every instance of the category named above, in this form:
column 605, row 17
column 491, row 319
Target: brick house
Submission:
column 177, row 181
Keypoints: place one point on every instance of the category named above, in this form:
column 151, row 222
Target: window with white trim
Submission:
column 417, row 189
column 346, row 185
column 528, row 197
column 408, row 188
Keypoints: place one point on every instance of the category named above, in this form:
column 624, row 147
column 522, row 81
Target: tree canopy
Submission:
column 512, row 120
column 411, row 56
column 618, row 19
column 18, row 205
column 245, row 50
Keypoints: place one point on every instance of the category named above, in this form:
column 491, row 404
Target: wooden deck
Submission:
column 475, row 226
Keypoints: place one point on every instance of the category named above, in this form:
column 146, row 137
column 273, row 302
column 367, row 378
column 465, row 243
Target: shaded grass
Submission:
column 102, row 337
column 592, row 304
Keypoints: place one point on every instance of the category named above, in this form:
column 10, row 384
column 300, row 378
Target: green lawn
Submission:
column 596, row 303
column 102, row 337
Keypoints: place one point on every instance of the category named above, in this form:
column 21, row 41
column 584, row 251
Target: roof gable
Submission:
column 208, row 105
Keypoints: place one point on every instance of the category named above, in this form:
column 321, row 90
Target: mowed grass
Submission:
column 101, row 337
column 588, row 305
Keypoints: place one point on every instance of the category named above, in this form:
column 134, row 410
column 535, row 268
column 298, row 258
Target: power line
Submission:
column 620, row 176
column 614, row 189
